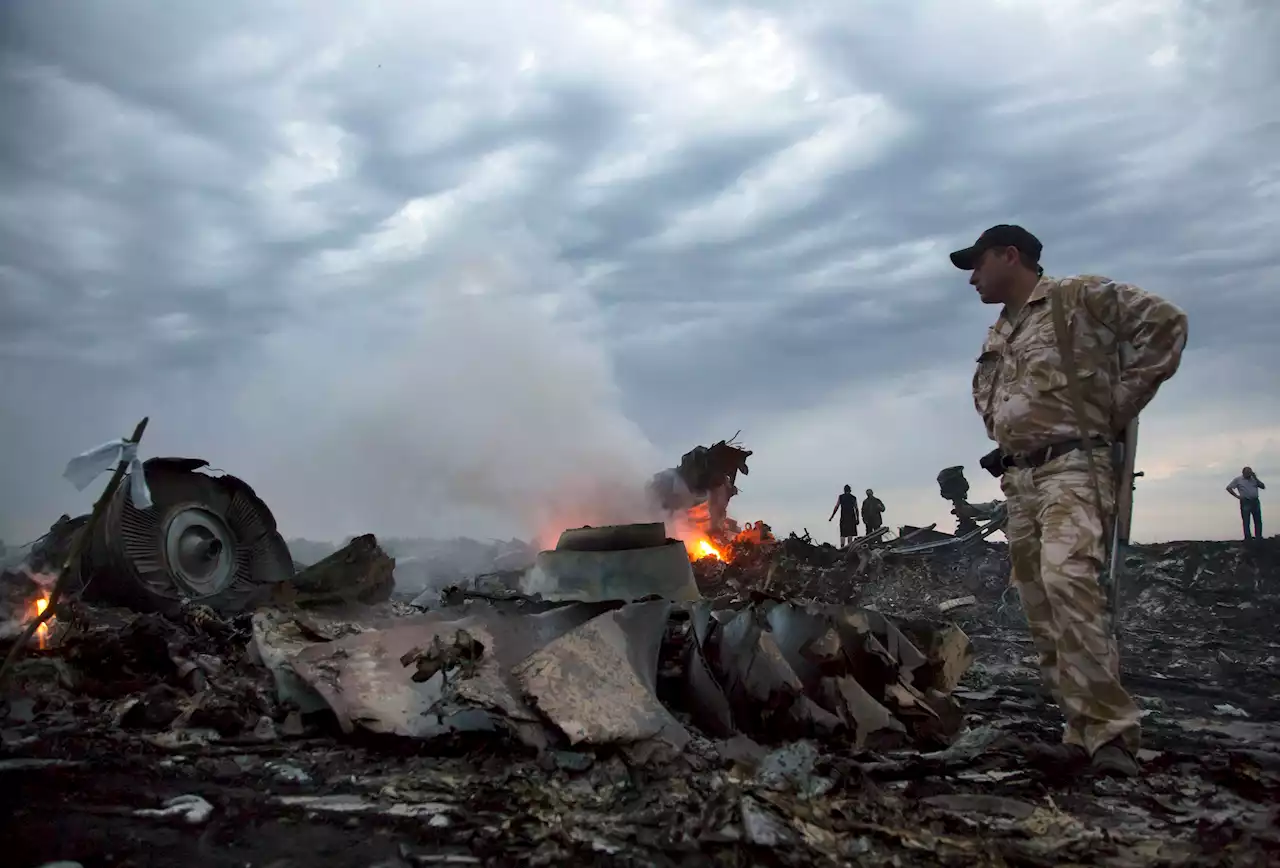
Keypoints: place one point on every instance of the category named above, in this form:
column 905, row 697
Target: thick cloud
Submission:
column 446, row 268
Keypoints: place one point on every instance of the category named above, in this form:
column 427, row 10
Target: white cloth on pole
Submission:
column 88, row 466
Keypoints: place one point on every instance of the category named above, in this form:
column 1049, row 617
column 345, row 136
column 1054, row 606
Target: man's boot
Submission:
column 1057, row 759
column 1114, row 760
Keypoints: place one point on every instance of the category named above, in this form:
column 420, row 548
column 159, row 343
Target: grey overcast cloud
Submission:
column 436, row 268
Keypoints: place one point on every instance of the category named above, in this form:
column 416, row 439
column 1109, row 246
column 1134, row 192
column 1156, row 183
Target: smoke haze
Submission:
column 478, row 402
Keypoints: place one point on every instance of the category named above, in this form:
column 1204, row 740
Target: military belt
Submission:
column 1040, row 457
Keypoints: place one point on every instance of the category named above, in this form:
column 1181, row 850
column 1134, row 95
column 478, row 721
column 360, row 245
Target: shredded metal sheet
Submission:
column 589, row 672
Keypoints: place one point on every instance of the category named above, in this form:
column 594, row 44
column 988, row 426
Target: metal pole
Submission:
column 1123, row 521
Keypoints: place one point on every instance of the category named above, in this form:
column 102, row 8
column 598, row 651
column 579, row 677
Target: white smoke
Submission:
column 477, row 400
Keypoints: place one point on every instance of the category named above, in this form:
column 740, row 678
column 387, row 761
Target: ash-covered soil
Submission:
column 82, row 754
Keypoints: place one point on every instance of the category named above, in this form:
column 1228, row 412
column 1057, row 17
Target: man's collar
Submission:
column 1042, row 289
column 1039, row 293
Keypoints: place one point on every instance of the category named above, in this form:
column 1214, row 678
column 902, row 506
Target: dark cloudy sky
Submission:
column 442, row 267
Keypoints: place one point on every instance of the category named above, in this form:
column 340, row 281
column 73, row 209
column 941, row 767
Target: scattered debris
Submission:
column 190, row 809
column 359, row 572
column 624, row 562
column 794, row 727
column 462, row 650
column 702, row 485
column 205, row 538
column 957, row 603
column 1230, row 710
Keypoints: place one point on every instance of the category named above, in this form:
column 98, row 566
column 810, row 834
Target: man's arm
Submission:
column 984, row 382
column 1154, row 327
column 1258, row 482
column 833, row 510
column 1233, row 488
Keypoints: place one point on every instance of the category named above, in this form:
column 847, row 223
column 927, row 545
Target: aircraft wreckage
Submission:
column 618, row 702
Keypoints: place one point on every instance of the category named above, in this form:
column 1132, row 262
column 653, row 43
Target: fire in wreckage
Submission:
column 694, row 498
column 624, row 698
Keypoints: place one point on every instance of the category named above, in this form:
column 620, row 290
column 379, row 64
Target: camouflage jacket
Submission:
column 1126, row 341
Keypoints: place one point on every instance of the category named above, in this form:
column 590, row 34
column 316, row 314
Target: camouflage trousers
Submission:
column 1057, row 551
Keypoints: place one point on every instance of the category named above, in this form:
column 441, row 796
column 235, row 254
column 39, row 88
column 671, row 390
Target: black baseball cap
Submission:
column 1003, row 235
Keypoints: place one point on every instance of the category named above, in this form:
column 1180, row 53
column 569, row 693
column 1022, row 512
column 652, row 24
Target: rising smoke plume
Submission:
column 476, row 403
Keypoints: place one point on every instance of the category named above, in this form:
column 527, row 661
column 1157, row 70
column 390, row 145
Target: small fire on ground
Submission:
column 42, row 632
column 702, row 548
column 700, row 544
column 693, row 529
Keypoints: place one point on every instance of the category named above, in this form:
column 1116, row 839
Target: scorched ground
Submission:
column 101, row 733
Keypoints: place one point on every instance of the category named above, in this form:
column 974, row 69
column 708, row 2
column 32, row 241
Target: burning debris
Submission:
column 804, row 728
column 623, row 701
column 24, row 596
column 695, row 495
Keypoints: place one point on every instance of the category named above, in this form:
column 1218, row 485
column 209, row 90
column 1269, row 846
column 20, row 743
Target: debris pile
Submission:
column 762, row 707
column 634, row 674
column 424, row 564
column 694, row 496
column 1166, row 586
column 201, row 536
column 623, row 562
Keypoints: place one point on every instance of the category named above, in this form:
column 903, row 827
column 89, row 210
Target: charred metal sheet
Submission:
column 359, row 572
column 705, row 480
column 793, row 671
column 867, row 717
column 456, row 652
column 796, row 632
column 626, row 575
column 882, row 638
column 765, row 693
column 704, row 468
column 613, row 537
column 50, row 552
column 588, row 672
column 917, row 535
column 703, row 694
column 597, row 683
column 277, row 639
column 842, row 666
column 866, row 540
column 979, row 533
column 754, row 668
column 947, row 650
column 364, row 681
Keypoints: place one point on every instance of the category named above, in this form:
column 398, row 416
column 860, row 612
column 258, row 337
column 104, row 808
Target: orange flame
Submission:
column 704, row 549
column 700, row 546
column 42, row 632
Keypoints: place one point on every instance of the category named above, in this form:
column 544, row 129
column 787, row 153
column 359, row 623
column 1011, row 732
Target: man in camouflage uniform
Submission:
column 1057, row 538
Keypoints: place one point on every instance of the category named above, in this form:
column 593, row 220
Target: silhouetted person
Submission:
column 1245, row 488
column 872, row 511
column 848, row 506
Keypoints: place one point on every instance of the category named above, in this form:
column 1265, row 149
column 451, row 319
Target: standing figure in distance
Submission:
column 1245, row 488
column 872, row 511
column 1055, row 467
column 848, row 506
